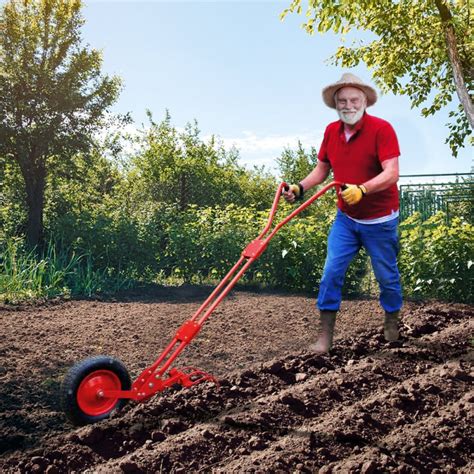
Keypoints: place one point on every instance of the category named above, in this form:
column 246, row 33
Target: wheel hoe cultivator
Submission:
column 97, row 386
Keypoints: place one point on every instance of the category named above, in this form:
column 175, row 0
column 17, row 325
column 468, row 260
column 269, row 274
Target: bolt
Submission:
column 151, row 385
column 100, row 394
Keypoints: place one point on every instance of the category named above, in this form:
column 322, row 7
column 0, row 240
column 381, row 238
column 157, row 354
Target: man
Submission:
column 363, row 152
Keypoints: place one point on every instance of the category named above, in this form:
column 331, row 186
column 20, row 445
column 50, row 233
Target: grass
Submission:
column 26, row 275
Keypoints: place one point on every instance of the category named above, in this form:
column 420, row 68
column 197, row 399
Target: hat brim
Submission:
column 329, row 91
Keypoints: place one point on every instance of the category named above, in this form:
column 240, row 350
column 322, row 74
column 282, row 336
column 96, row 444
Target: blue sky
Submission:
column 246, row 77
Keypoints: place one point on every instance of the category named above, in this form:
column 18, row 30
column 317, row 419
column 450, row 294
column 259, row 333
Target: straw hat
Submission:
column 348, row 80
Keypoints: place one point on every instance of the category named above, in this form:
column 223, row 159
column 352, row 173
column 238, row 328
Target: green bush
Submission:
column 204, row 244
column 157, row 242
column 436, row 258
column 109, row 249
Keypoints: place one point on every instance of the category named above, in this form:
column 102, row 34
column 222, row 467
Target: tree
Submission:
column 53, row 97
column 423, row 50
column 295, row 165
column 175, row 167
column 180, row 168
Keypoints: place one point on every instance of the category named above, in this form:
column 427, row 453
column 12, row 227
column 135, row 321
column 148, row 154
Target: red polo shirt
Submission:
column 359, row 159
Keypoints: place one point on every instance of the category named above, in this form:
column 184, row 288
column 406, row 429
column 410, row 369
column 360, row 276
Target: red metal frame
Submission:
column 151, row 380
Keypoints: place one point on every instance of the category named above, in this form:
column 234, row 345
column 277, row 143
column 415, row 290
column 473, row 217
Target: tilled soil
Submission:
column 368, row 406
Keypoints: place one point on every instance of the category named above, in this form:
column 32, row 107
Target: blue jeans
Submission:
column 381, row 243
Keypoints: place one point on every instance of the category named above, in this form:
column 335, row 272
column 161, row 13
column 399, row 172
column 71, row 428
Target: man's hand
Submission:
column 353, row 193
column 294, row 192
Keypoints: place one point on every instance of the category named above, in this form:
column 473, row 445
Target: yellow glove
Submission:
column 353, row 193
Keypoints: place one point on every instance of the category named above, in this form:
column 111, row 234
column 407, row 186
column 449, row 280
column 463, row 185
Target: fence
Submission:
column 454, row 198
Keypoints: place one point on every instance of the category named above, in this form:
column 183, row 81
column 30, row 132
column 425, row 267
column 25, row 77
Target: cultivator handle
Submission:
column 300, row 208
column 253, row 250
column 152, row 380
column 94, row 388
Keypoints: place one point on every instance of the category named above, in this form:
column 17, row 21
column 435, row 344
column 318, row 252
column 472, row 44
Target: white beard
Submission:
column 350, row 119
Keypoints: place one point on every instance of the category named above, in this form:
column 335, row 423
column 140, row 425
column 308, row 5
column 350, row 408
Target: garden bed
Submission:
column 368, row 406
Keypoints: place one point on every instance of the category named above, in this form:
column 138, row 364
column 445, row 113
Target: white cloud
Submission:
column 250, row 142
column 258, row 150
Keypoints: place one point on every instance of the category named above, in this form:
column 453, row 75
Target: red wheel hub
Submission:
column 89, row 394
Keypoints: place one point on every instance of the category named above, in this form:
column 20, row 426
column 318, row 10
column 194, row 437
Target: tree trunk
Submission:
column 455, row 61
column 35, row 180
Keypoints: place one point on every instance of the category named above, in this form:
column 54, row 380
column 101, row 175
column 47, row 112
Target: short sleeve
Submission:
column 323, row 150
column 387, row 143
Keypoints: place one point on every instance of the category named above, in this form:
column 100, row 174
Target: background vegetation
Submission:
column 83, row 212
column 179, row 209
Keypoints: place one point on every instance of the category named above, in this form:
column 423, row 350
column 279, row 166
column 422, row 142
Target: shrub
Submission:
column 436, row 258
column 204, row 244
column 109, row 247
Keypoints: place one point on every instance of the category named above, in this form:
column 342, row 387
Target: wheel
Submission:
column 80, row 398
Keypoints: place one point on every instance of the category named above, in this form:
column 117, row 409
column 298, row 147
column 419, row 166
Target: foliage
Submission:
column 436, row 258
column 26, row 276
column 180, row 168
column 52, row 94
column 86, row 214
column 13, row 213
column 203, row 244
column 409, row 54
column 159, row 243
column 296, row 165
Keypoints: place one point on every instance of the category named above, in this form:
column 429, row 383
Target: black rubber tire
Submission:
column 73, row 379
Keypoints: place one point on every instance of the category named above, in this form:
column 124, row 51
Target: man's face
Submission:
column 350, row 104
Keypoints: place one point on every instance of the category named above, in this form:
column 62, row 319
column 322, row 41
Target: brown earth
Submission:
column 369, row 406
